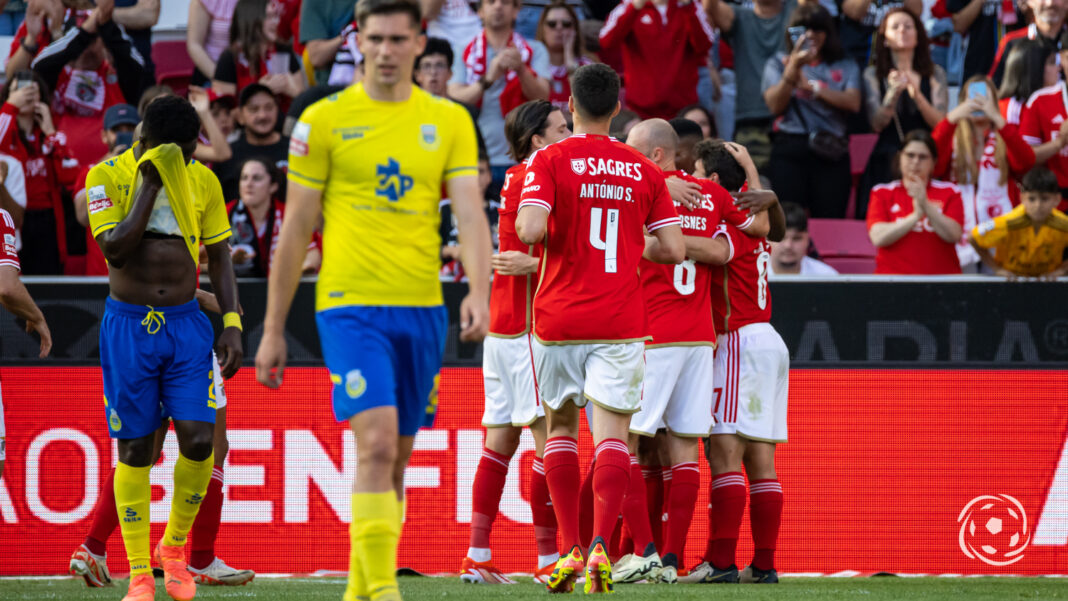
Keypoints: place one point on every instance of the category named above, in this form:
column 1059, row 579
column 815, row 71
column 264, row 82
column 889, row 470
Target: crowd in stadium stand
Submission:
column 828, row 96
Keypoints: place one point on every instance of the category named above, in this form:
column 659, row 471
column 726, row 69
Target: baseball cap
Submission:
column 227, row 99
column 251, row 90
column 120, row 114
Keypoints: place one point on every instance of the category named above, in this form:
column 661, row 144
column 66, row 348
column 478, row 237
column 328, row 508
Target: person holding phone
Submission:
column 28, row 134
column 812, row 89
column 984, row 155
column 256, row 56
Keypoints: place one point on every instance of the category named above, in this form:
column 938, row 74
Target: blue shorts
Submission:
column 155, row 364
column 385, row 357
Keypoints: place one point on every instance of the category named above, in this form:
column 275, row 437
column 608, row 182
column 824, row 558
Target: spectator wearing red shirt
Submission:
column 119, row 123
column 1030, row 67
column 256, row 220
column 983, row 154
column 662, row 41
column 915, row 222
column 28, row 134
column 558, row 29
column 86, row 82
column 256, row 56
column 1044, row 125
column 1048, row 25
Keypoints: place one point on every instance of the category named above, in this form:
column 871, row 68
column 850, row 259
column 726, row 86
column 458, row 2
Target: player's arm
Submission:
column 763, row 205
column 15, row 298
column 120, row 242
column 475, row 250
column 531, row 223
column 712, row 251
column 514, row 262
column 221, row 272
column 666, row 245
column 303, row 205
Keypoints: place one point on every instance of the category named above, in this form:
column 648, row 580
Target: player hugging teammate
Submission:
column 659, row 326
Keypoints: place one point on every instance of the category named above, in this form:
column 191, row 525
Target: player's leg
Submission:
column 764, row 376
column 187, row 390
column 688, row 418
column 376, row 520
column 131, row 370
column 614, row 375
column 541, row 507
column 765, row 510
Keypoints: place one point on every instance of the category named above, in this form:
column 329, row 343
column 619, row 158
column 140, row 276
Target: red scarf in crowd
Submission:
column 475, row 61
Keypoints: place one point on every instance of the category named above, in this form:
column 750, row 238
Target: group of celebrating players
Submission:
column 609, row 294
column 649, row 307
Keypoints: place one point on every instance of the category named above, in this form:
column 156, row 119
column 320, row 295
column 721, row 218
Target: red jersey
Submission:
column 741, row 294
column 678, row 297
column 599, row 193
column 511, row 297
column 657, row 48
column 46, row 160
column 1041, row 121
column 9, row 257
column 560, row 84
column 921, row 251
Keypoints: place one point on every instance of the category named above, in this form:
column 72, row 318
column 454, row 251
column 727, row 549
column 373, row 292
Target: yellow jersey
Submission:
column 108, row 194
column 380, row 167
column 1019, row 248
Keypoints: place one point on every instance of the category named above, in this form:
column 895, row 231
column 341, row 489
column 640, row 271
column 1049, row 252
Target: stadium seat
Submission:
column 860, row 148
column 173, row 65
column 851, row 265
column 841, row 237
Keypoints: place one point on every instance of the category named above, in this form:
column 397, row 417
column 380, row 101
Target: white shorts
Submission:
column 220, row 390
column 3, row 430
column 610, row 375
column 508, row 373
column 752, row 380
column 678, row 391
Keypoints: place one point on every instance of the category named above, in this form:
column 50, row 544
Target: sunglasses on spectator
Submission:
column 431, row 67
column 554, row 24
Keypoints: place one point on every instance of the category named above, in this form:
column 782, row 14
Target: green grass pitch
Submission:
column 420, row 589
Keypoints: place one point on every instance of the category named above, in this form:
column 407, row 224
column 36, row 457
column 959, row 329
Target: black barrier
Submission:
column 853, row 322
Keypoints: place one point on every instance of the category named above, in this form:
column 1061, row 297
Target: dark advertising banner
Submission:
column 859, row 322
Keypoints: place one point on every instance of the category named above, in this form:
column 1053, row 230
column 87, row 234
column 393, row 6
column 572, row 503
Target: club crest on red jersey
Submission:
column 578, row 166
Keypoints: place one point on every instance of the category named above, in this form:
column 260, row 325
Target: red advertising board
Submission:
column 899, row 471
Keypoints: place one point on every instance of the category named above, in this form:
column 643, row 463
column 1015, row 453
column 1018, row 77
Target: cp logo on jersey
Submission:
column 578, row 166
column 392, row 184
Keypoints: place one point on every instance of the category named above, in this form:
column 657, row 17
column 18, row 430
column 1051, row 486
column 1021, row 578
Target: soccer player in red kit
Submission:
column 590, row 199
column 15, row 298
column 507, row 369
column 751, row 379
column 679, row 359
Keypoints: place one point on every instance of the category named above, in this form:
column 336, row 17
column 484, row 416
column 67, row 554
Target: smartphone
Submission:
column 795, row 33
column 978, row 89
column 124, row 138
column 23, row 80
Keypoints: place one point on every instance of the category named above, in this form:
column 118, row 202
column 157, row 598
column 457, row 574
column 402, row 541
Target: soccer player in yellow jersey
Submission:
column 1028, row 241
column 150, row 209
column 373, row 158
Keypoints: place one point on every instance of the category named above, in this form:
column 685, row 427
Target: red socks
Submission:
column 105, row 518
column 765, row 515
column 541, row 507
column 635, row 509
column 611, row 478
column 586, row 508
column 654, row 500
column 486, row 492
column 562, row 476
column 728, row 504
column 206, row 525
column 685, row 480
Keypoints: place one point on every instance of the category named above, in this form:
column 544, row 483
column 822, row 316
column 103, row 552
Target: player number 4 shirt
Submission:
column 677, row 297
column 600, row 195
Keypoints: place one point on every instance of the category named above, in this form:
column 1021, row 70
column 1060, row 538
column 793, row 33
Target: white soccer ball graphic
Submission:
column 994, row 530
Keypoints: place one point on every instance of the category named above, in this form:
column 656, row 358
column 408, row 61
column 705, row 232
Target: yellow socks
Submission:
column 133, row 495
column 191, row 480
column 375, row 532
column 356, row 590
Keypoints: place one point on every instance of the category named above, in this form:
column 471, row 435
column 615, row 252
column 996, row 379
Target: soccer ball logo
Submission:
column 994, row 530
